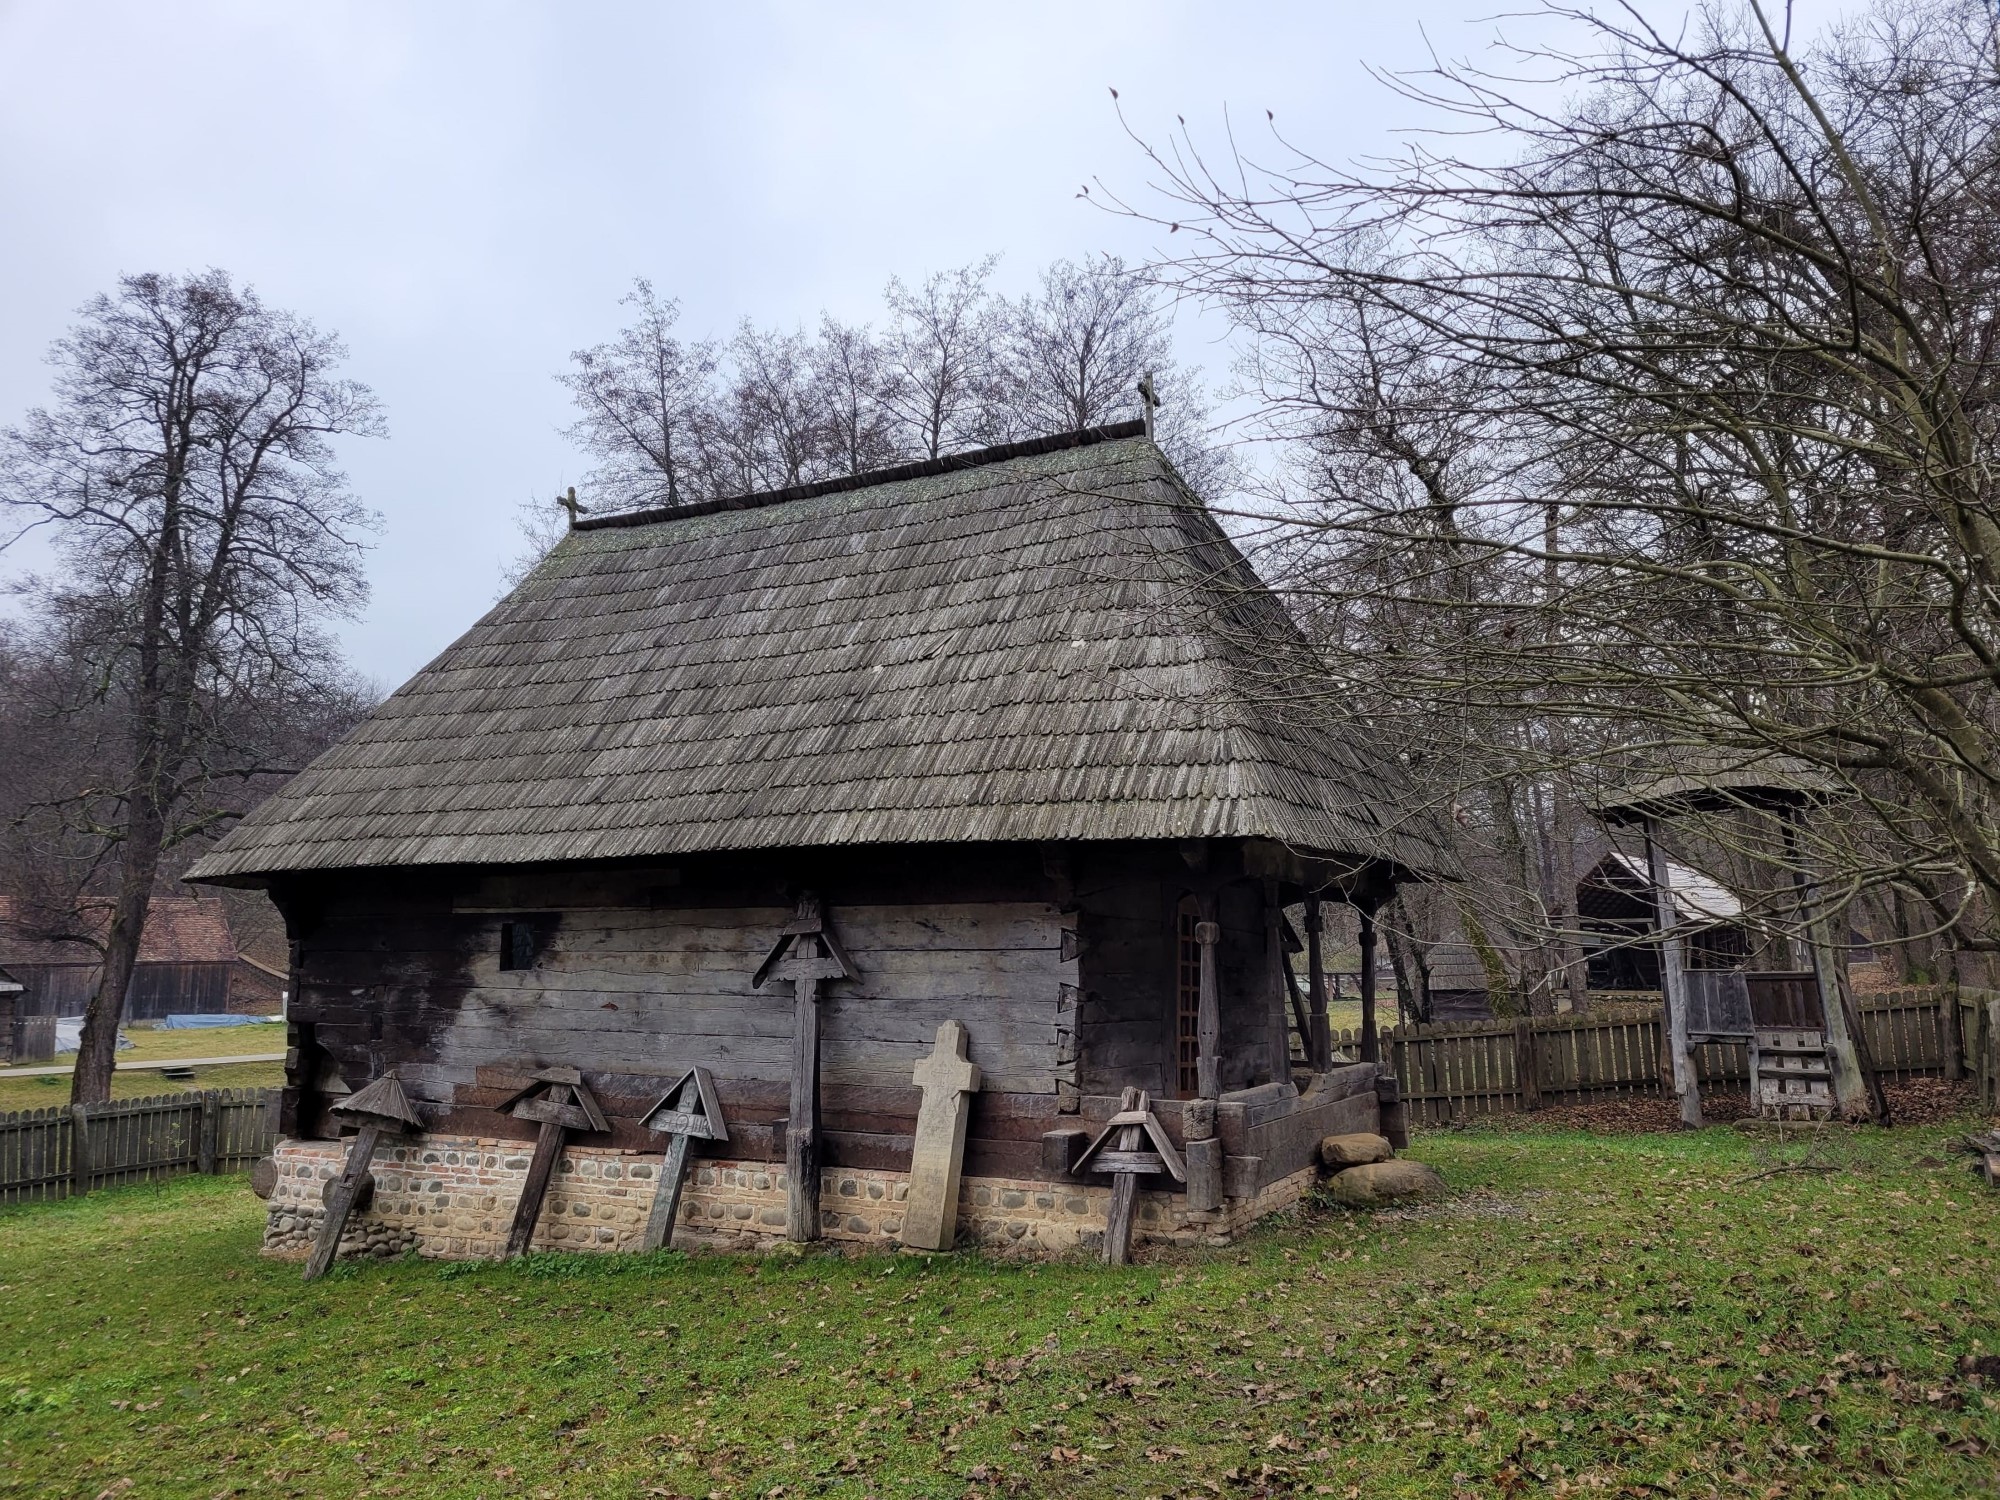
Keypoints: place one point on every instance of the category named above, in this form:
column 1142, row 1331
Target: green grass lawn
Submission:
column 153, row 1044
column 1630, row 1315
column 142, row 1083
column 150, row 1043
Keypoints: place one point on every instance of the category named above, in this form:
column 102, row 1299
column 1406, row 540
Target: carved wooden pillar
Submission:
column 1208, row 1018
column 1371, row 1049
column 1277, row 1007
column 1322, row 1032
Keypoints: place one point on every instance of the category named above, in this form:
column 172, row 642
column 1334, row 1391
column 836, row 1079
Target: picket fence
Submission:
column 61, row 1152
column 1466, row 1068
column 1448, row 1072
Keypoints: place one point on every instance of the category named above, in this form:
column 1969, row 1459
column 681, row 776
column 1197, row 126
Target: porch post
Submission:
column 1322, row 1033
column 1371, row 1049
column 1208, row 1015
column 1673, row 980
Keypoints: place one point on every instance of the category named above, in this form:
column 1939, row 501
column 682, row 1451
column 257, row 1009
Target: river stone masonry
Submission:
column 451, row 1198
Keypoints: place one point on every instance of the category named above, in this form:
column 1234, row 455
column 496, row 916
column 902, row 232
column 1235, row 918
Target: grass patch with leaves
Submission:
column 1628, row 1315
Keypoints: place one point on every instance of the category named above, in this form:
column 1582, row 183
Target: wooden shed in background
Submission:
column 186, row 958
column 1021, row 727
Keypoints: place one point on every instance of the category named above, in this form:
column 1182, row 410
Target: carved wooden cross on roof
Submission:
column 809, row 955
column 1149, row 400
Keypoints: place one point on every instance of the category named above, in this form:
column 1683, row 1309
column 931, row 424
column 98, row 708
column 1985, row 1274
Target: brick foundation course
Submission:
column 453, row 1197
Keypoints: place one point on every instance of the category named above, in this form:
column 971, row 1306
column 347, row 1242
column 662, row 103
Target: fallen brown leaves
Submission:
column 1915, row 1101
column 1929, row 1101
column 1637, row 1114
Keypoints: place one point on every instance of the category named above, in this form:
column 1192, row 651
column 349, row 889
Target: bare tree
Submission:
column 1074, row 348
column 1709, row 343
column 775, row 410
column 851, row 378
column 641, row 399
column 938, row 353
column 669, row 420
column 186, row 475
column 539, row 525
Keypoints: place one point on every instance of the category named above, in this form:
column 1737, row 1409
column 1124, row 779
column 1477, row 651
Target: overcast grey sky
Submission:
column 464, row 191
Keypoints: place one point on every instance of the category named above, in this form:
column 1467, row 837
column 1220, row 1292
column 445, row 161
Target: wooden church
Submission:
column 775, row 790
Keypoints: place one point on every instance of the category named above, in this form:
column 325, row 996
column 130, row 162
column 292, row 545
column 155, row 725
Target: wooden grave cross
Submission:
column 382, row 1106
column 808, row 954
column 1121, row 1149
column 930, row 1217
column 687, row 1112
column 558, row 1100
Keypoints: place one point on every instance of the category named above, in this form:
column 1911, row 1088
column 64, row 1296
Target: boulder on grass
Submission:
column 1356, row 1150
column 1384, row 1182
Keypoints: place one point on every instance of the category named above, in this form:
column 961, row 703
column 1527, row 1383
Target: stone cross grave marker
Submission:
column 930, row 1218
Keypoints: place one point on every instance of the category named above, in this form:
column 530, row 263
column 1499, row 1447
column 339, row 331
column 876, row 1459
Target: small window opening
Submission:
column 1187, row 1000
column 517, row 945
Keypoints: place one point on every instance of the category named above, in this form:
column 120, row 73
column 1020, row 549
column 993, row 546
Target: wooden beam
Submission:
column 343, row 1192
column 1301, row 1023
column 1857, row 1088
column 1371, row 1047
column 1204, row 1155
column 1673, row 980
column 802, row 1127
column 1321, row 1049
column 1276, row 972
column 667, row 1199
column 541, row 1167
column 1390, row 1112
column 1208, row 1016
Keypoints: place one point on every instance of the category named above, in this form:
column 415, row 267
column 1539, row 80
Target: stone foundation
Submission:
column 452, row 1197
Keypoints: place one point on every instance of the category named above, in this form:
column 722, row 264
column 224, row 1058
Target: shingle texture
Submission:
column 179, row 930
column 1054, row 646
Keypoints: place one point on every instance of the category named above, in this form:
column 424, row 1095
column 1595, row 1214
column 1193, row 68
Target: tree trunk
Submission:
column 1413, row 985
column 97, row 1049
column 1569, row 942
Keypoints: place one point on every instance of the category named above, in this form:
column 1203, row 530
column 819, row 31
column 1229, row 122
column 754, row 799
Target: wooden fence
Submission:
column 57, row 1153
column 32, row 1039
column 1979, row 1034
column 1465, row 1068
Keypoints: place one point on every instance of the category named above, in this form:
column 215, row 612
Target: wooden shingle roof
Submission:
column 1045, row 642
column 192, row 929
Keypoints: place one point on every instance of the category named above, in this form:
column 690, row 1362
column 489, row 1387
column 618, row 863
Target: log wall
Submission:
column 1061, row 971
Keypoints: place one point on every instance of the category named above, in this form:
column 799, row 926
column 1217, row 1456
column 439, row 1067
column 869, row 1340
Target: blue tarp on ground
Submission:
column 193, row 1023
column 69, row 1034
